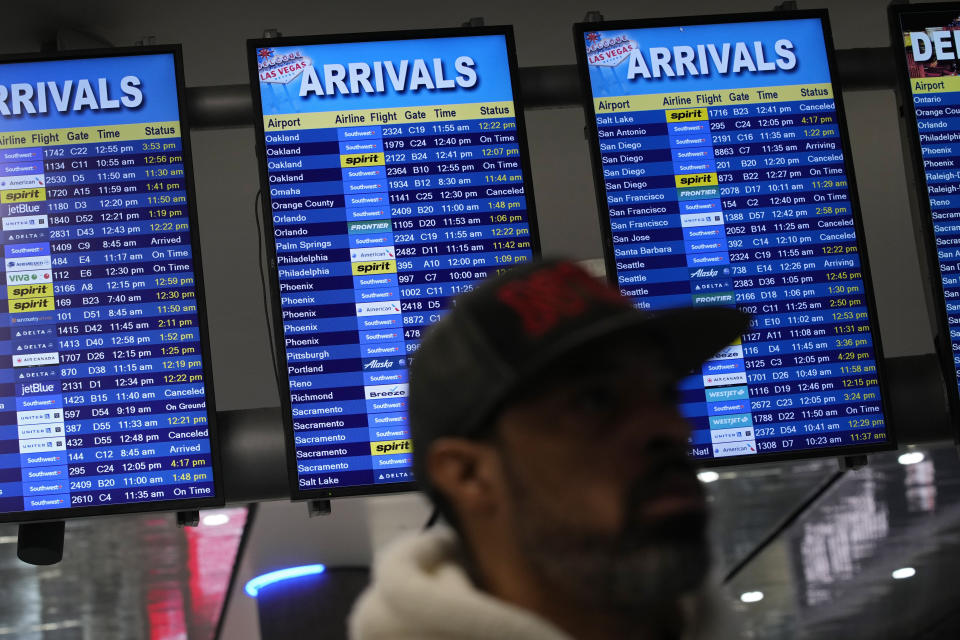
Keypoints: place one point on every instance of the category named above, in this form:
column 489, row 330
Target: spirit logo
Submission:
column 280, row 69
column 608, row 52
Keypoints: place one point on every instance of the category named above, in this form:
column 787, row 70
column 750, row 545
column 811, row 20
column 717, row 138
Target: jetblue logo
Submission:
column 37, row 387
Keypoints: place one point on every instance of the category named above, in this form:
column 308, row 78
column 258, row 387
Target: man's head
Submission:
column 545, row 424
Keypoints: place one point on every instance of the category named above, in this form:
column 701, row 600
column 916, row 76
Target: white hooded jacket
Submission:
column 420, row 591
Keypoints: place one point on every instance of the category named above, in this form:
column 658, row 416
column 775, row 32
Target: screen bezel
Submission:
column 188, row 504
column 579, row 30
column 920, row 199
column 276, row 312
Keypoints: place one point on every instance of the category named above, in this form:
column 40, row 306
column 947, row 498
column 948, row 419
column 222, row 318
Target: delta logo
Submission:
column 282, row 68
column 608, row 51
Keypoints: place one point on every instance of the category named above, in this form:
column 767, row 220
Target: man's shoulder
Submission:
column 420, row 589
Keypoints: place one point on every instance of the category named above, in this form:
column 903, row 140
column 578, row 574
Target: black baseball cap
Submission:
column 498, row 337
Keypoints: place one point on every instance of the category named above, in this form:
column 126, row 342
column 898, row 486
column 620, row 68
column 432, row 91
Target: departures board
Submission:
column 723, row 177
column 105, row 396
column 926, row 41
column 395, row 174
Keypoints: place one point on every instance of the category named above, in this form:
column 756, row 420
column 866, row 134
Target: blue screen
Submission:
column 102, row 393
column 725, row 183
column 931, row 51
column 395, row 183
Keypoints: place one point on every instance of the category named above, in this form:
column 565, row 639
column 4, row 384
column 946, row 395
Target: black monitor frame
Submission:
column 822, row 15
column 276, row 312
column 190, row 504
column 920, row 201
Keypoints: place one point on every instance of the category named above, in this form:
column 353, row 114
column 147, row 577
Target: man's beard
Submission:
column 641, row 569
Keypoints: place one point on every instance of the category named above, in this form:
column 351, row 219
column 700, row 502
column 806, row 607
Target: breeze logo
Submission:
column 386, row 391
column 608, row 52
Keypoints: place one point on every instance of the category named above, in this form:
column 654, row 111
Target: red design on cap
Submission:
column 556, row 293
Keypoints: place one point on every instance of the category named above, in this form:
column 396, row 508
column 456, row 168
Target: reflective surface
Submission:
column 122, row 578
column 826, row 574
column 830, row 573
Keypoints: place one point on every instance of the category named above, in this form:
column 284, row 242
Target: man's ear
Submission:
column 468, row 473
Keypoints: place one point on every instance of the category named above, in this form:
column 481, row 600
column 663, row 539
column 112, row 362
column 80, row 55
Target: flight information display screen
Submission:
column 723, row 177
column 927, row 44
column 105, row 402
column 396, row 177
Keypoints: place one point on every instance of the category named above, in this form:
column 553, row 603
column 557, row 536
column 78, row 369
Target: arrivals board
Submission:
column 723, row 178
column 105, row 397
column 395, row 174
column 925, row 39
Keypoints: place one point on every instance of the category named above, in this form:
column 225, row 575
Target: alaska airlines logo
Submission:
column 379, row 364
column 705, row 273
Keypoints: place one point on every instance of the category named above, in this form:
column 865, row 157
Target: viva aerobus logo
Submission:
column 608, row 51
column 23, row 277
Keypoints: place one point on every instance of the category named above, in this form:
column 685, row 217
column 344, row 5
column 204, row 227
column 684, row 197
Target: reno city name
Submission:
column 708, row 59
column 404, row 75
column 95, row 94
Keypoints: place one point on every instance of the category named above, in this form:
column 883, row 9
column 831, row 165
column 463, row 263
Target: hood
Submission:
column 419, row 590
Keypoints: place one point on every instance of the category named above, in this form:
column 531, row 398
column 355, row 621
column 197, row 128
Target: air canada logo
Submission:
column 608, row 52
column 280, row 69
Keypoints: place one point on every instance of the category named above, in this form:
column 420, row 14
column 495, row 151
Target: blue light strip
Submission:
column 254, row 586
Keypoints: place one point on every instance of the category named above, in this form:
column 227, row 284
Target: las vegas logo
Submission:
column 280, row 69
column 608, row 52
